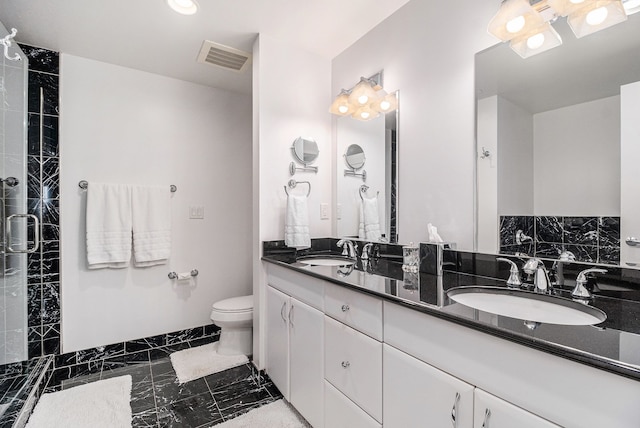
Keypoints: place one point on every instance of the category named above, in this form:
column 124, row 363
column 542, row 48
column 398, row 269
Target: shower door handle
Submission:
column 36, row 233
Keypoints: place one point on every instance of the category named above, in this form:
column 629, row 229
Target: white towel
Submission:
column 108, row 225
column 296, row 223
column 151, row 207
column 369, row 227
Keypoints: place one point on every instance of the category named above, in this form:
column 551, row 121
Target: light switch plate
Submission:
column 196, row 212
column 324, row 211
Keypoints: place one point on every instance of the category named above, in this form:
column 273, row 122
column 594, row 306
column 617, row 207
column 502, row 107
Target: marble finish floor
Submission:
column 157, row 400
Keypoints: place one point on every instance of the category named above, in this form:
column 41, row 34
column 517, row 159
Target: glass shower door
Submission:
column 13, row 205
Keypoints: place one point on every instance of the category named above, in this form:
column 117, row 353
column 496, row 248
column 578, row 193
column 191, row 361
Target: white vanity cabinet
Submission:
column 295, row 347
column 492, row 412
column 417, row 394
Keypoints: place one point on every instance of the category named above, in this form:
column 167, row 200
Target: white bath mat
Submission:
column 194, row 363
column 100, row 404
column 274, row 415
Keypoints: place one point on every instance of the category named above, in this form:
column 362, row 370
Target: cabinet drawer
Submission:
column 340, row 412
column 303, row 287
column 353, row 364
column 358, row 310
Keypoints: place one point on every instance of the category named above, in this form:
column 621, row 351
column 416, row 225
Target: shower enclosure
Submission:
column 14, row 240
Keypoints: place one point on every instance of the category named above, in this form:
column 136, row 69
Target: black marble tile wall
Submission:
column 43, row 193
column 590, row 239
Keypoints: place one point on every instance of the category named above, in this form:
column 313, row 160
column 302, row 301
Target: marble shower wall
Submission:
column 590, row 239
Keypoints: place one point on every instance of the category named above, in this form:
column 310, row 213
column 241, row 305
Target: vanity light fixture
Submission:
column 526, row 24
column 365, row 101
column 185, row 7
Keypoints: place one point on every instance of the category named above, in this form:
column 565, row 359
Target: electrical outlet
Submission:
column 196, row 212
column 339, row 212
column 324, row 211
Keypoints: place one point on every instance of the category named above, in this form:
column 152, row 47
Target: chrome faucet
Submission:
column 366, row 251
column 349, row 249
column 580, row 292
column 541, row 281
column 514, row 280
column 558, row 269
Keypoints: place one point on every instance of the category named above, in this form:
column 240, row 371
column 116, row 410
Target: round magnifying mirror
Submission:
column 305, row 150
column 354, row 157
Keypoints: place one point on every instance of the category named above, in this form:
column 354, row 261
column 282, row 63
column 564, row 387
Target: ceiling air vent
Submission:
column 224, row 56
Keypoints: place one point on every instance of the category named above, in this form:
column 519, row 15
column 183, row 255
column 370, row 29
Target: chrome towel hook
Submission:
column 7, row 42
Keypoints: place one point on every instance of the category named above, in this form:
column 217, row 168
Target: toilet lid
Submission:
column 235, row 304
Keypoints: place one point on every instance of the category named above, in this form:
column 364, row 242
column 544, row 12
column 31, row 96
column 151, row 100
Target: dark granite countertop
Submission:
column 613, row 345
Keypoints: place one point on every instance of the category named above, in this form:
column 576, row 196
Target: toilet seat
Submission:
column 234, row 305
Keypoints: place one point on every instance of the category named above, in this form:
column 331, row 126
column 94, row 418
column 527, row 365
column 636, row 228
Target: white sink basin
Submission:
column 326, row 261
column 526, row 305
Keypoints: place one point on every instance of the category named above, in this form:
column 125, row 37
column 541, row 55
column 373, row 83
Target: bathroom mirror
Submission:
column 378, row 139
column 354, row 157
column 305, row 150
column 548, row 154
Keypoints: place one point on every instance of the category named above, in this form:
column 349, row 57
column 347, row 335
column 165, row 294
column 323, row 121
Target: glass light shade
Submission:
column 632, row 6
column 365, row 113
column 539, row 40
column 596, row 16
column 385, row 102
column 185, row 7
column 362, row 94
column 514, row 18
column 341, row 105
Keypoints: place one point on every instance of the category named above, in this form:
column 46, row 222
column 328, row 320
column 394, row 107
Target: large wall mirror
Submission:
column 377, row 142
column 549, row 145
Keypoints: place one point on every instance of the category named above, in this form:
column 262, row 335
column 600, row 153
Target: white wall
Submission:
column 577, row 159
column 291, row 97
column 427, row 52
column 125, row 126
column 516, row 172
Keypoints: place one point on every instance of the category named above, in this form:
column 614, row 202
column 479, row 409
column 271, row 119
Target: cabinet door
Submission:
column 492, row 412
column 340, row 412
column 419, row 395
column 306, row 345
column 278, row 340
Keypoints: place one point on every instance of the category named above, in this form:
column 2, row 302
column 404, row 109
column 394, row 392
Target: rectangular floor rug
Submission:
column 278, row 414
column 100, row 404
column 194, row 363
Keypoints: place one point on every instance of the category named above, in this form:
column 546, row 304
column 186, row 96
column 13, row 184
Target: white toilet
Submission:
column 234, row 316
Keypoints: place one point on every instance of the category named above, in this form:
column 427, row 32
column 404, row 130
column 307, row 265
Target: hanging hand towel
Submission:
column 151, row 208
column 296, row 223
column 370, row 219
column 108, row 225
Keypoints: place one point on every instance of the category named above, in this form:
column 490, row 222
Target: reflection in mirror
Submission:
column 354, row 157
column 378, row 138
column 551, row 124
column 305, row 150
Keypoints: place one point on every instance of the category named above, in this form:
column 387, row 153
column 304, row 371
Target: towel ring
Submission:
column 293, row 183
column 363, row 191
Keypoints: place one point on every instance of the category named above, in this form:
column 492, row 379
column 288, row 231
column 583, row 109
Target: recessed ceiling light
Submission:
column 185, row 7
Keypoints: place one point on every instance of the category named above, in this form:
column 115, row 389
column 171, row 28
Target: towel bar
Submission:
column 174, row 275
column 84, row 185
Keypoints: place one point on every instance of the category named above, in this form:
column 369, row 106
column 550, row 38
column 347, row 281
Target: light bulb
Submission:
column 576, row 1
column 534, row 42
column 185, row 7
column 343, row 109
column 384, row 105
column 629, row 5
column 365, row 115
column 597, row 16
column 363, row 99
column 516, row 24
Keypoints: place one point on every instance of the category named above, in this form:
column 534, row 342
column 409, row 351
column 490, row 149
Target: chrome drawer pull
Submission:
column 345, row 364
column 487, row 416
column 345, row 308
column 454, row 411
column 632, row 242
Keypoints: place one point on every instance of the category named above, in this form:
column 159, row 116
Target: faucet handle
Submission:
column 514, row 273
column 580, row 291
column 366, row 250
